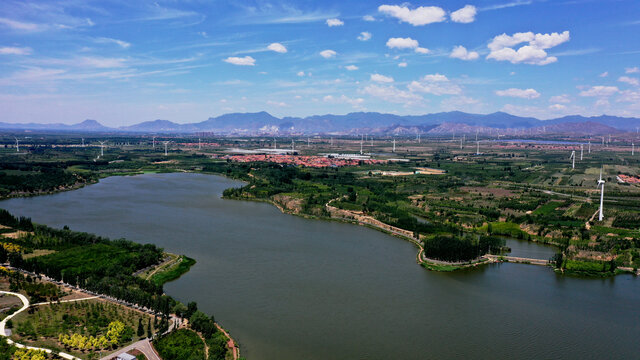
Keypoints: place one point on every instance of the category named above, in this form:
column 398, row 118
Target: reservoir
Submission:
column 291, row 288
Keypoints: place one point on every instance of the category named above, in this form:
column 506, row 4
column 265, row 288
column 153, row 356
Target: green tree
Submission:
column 140, row 332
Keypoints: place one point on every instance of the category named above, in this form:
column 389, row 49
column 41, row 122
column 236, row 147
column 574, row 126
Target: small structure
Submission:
column 125, row 356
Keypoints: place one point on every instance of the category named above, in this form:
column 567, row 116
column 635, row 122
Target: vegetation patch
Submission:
column 182, row 344
column 182, row 266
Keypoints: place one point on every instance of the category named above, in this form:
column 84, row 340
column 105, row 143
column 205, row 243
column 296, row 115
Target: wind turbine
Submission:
column 293, row 146
column 165, row 147
column 476, row 134
column 361, row 143
column 275, row 143
column 589, row 146
column 17, row 144
column 394, row 145
column 102, row 147
column 633, row 149
column 477, row 147
column 82, row 142
column 461, row 140
column 199, row 144
column 601, row 186
column 154, row 142
column 581, row 151
column 573, row 157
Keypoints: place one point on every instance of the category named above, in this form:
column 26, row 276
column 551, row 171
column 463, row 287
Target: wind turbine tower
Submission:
column 601, row 186
column 477, row 147
column 199, row 144
column 102, row 147
column 461, row 140
column 394, row 145
column 581, row 151
column 573, row 157
column 589, row 146
column 17, row 144
column 275, row 143
column 154, row 143
column 361, row 144
column 165, row 147
column 82, row 142
column 633, row 149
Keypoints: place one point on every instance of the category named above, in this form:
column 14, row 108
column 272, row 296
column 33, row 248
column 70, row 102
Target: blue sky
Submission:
column 122, row 62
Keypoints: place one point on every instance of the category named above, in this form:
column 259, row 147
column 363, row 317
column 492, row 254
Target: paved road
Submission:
column 25, row 306
column 65, row 301
column 143, row 345
column 520, row 260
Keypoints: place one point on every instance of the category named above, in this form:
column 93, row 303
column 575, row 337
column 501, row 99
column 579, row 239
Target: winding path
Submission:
column 25, row 306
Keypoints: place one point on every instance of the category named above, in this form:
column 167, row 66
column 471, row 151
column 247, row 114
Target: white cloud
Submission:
column 519, row 93
column 421, row 50
column 435, row 84
column 602, row 102
column 242, row 61
column 343, row 99
column 564, row 98
column 557, row 107
column 533, row 53
column 277, row 103
column 402, row 64
column 18, row 25
column 99, row 62
column 334, row 22
column 629, row 80
column 123, row 44
column 368, row 18
column 351, row 67
column 599, row 91
column 462, row 103
column 15, row 50
column 277, row 47
column 633, row 70
column 630, row 96
column 392, row 94
column 422, row 15
column 300, row 73
column 364, row 36
column 402, row 43
column 381, row 78
column 604, row 74
column 465, row 15
column 327, row 54
column 460, row 52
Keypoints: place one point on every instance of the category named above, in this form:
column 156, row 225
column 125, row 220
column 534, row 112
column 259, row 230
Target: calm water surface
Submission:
column 291, row 288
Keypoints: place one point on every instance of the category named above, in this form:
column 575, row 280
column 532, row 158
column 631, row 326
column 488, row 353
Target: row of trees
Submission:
column 461, row 248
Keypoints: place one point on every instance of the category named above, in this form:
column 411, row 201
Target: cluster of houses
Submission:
column 307, row 161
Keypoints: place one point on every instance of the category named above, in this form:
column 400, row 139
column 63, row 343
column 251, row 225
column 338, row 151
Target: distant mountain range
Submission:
column 263, row 123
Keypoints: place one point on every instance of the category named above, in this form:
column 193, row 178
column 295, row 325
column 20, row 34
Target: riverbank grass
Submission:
column 171, row 270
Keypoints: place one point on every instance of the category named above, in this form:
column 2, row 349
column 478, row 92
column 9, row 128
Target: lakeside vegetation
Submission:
column 520, row 191
column 103, row 266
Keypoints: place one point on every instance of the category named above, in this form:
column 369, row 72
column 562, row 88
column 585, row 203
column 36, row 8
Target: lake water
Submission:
column 292, row 288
